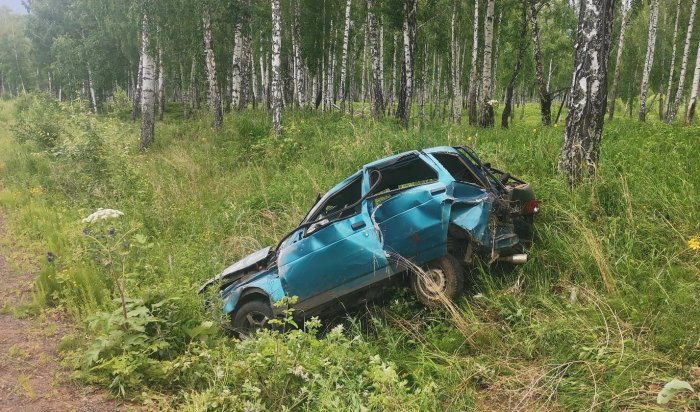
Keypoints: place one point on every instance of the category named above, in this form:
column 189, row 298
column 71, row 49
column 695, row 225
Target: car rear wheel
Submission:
column 440, row 279
column 251, row 316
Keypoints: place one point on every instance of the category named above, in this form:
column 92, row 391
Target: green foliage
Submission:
column 605, row 309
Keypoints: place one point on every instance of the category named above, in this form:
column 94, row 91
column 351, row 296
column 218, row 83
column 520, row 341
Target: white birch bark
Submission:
column 214, row 95
column 625, row 7
column 276, row 68
column 344, row 61
column 454, row 60
column 403, row 111
column 91, row 86
column 236, row 65
column 671, row 116
column 649, row 60
column 377, row 106
column 147, row 87
column 673, row 63
column 161, row 85
column 473, row 70
column 299, row 68
column 487, row 119
column 690, row 112
column 584, row 122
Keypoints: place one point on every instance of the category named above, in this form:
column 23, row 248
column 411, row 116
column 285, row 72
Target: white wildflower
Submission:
column 337, row 331
column 102, row 214
column 493, row 103
column 299, row 371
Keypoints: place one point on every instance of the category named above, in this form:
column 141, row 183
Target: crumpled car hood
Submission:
column 239, row 266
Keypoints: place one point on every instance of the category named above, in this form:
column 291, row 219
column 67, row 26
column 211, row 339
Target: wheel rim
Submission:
column 255, row 320
column 432, row 283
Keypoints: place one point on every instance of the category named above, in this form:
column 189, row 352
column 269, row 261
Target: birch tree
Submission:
column 456, row 69
column 403, row 111
column 473, row 68
column 214, row 95
column 625, row 7
column 161, row 85
column 584, row 122
column 486, row 99
column 276, row 67
column 649, row 60
column 148, row 98
column 299, row 69
column 662, row 111
column 690, row 113
column 344, row 61
column 236, row 66
column 377, row 103
column 671, row 116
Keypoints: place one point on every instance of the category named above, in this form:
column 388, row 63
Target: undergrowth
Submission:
column 603, row 315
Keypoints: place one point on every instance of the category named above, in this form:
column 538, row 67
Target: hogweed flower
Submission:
column 102, row 214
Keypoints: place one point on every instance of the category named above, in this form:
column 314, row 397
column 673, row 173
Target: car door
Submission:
column 411, row 209
column 332, row 257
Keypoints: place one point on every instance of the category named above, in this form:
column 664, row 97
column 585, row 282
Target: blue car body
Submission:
column 415, row 206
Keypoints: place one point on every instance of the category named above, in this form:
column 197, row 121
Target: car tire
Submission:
column 441, row 278
column 251, row 316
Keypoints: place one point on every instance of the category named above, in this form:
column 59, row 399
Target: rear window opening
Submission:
column 457, row 168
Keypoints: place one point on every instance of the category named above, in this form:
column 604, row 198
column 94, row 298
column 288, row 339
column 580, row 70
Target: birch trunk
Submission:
column 508, row 103
column 690, row 112
column 486, row 100
column 377, row 106
column 403, row 111
column 584, row 122
column 545, row 96
column 214, row 95
column 161, row 85
column 671, row 116
column 276, row 67
column 473, row 75
column 664, row 111
column 147, row 88
column 392, row 89
column 626, row 5
column 91, row 86
column 344, row 61
column 649, row 60
column 299, row 69
column 136, row 100
column 456, row 72
column 236, row 65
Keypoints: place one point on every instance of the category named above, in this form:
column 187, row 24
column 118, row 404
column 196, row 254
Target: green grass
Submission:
column 604, row 313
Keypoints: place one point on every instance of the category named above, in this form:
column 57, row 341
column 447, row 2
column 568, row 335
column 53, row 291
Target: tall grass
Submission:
column 604, row 313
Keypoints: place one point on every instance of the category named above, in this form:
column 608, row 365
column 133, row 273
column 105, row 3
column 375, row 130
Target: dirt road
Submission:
column 30, row 376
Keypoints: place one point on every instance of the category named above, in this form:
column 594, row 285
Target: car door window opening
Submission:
column 457, row 168
column 410, row 171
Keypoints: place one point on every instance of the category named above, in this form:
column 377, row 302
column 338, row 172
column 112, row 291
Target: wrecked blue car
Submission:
column 424, row 214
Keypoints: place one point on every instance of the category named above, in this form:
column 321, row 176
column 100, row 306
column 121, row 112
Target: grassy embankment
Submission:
column 602, row 316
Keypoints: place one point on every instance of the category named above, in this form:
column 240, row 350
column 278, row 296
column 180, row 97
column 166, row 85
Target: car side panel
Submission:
column 330, row 257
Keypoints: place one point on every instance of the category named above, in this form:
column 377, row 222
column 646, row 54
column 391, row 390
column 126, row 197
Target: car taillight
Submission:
column 531, row 207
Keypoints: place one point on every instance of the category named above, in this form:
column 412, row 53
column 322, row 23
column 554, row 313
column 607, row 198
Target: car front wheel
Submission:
column 441, row 279
column 251, row 316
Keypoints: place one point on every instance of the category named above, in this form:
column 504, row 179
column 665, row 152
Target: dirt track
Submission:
column 30, row 377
